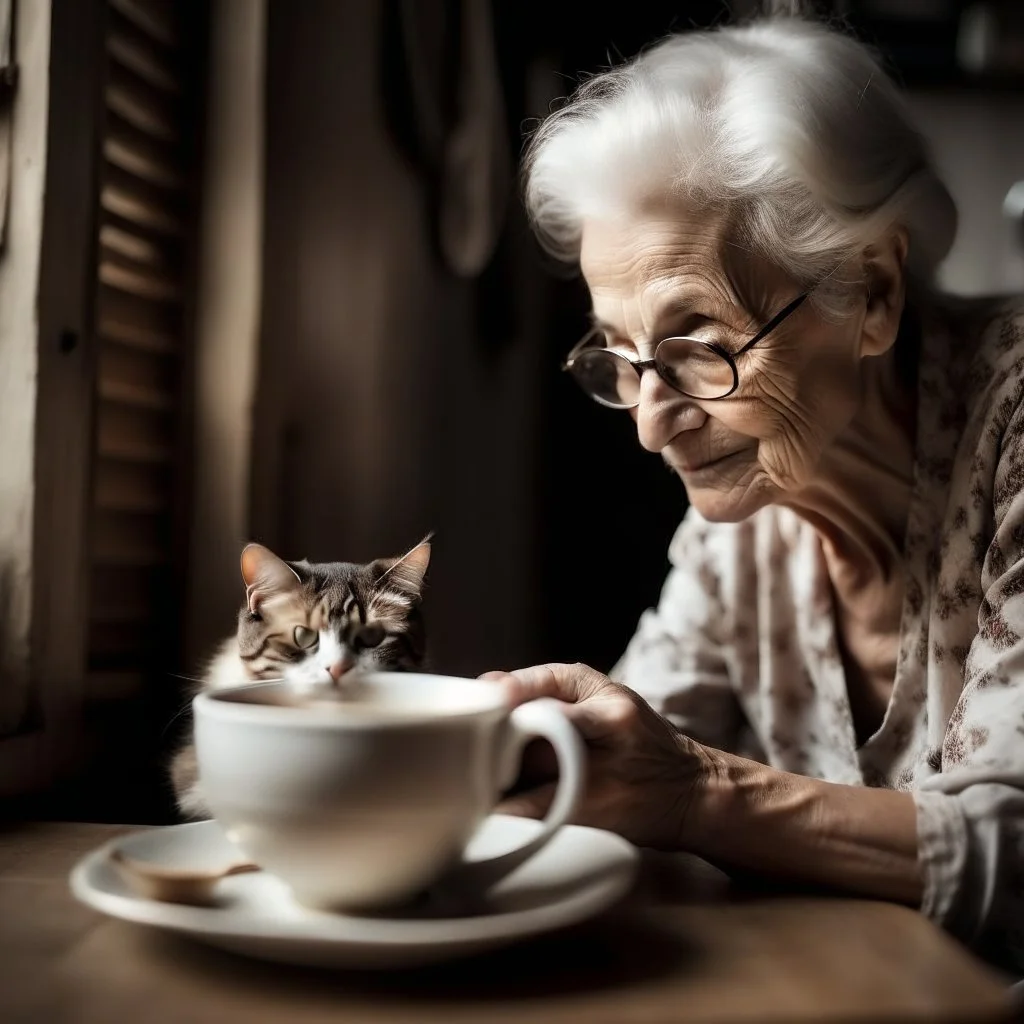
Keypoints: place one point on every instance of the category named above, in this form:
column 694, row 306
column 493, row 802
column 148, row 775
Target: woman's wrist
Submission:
column 745, row 815
column 705, row 781
column 727, row 799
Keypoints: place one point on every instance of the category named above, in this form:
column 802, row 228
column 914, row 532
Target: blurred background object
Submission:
column 286, row 292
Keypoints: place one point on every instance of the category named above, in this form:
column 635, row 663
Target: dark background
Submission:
column 599, row 512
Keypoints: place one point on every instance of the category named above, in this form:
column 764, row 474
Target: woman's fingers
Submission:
column 599, row 708
column 539, row 764
column 534, row 803
column 569, row 683
column 610, row 716
column 526, row 684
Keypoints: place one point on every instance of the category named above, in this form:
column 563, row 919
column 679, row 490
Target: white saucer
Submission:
column 581, row 872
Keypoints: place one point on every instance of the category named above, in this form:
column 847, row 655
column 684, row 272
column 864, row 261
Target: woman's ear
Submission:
column 885, row 280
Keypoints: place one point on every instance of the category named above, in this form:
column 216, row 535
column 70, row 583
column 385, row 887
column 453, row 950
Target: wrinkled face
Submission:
column 311, row 624
column 665, row 274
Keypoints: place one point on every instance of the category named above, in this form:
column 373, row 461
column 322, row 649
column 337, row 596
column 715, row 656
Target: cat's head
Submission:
column 311, row 623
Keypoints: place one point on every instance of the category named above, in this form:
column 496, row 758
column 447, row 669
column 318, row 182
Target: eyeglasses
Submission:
column 695, row 368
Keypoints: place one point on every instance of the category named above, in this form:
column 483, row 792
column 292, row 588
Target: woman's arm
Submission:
column 675, row 659
column 657, row 787
column 748, row 816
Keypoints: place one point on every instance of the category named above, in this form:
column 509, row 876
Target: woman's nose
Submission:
column 663, row 413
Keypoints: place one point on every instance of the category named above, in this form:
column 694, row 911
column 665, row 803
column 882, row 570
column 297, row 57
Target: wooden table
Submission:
column 685, row 947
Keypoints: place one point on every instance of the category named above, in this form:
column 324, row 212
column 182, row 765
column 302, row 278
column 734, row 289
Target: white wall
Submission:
column 19, row 340
column 227, row 318
column 978, row 140
column 379, row 414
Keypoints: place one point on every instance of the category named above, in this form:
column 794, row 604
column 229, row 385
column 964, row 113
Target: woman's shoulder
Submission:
column 984, row 330
column 972, row 364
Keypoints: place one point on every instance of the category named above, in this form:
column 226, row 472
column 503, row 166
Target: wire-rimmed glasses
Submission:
column 696, row 368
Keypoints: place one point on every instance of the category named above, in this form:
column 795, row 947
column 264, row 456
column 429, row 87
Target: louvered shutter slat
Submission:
column 144, row 233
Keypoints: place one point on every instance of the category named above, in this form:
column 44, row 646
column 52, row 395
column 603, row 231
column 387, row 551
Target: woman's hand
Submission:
column 642, row 774
column 656, row 787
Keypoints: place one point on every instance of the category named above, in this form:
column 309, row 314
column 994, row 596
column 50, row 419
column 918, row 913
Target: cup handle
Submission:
column 544, row 718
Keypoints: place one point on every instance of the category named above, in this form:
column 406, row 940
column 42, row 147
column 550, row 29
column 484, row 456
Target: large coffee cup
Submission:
column 364, row 802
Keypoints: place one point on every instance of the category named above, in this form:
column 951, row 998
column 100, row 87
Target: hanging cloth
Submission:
column 444, row 105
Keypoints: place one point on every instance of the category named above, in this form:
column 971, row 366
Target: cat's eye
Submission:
column 371, row 635
column 304, row 637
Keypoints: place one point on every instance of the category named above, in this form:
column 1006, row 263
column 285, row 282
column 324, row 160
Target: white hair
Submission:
column 790, row 128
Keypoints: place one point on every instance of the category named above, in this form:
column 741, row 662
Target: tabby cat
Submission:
column 310, row 624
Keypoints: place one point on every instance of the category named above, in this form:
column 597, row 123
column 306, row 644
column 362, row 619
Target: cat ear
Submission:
column 265, row 575
column 406, row 572
column 300, row 568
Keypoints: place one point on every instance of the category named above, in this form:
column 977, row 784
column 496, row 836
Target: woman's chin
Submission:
column 730, row 502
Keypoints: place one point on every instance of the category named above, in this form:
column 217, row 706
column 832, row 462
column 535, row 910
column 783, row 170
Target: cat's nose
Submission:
column 340, row 667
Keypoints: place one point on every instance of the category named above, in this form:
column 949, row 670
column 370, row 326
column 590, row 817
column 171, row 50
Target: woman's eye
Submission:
column 304, row 637
column 371, row 635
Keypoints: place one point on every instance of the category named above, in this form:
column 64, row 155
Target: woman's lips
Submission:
column 690, row 468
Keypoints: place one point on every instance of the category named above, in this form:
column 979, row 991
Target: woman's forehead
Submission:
column 648, row 243
column 667, row 263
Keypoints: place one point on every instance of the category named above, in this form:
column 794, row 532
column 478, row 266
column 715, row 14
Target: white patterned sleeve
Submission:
column 675, row 659
column 970, row 815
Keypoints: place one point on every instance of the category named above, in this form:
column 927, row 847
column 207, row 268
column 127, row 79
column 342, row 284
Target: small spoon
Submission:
column 194, row 886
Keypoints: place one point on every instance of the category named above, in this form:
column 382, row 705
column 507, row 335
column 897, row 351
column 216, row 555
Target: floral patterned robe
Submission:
column 742, row 650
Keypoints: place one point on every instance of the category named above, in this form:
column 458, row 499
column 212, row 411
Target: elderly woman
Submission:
column 831, row 689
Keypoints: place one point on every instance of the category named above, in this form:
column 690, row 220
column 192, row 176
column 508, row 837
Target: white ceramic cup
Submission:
column 364, row 803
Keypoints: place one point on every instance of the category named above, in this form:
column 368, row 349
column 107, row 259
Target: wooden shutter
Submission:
column 145, row 224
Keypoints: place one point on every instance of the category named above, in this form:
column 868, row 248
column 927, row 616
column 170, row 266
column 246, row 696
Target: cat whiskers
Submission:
column 187, row 706
column 399, row 561
column 187, row 679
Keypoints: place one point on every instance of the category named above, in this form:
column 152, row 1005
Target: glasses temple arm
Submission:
column 775, row 321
